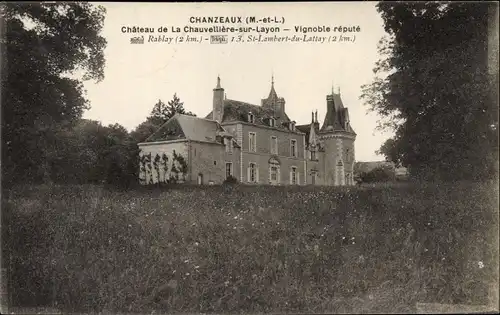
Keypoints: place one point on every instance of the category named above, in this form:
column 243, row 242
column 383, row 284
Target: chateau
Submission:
column 254, row 144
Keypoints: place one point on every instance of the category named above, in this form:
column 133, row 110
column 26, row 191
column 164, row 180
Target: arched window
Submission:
column 251, row 118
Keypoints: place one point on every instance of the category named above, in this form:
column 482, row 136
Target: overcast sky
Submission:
column 136, row 76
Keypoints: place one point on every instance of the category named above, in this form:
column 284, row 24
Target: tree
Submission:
column 433, row 81
column 161, row 112
column 390, row 151
column 92, row 153
column 44, row 44
column 145, row 129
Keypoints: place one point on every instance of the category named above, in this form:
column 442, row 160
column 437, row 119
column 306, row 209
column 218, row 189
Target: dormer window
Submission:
column 313, row 155
column 272, row 122
column 292, row 126
column 251, row 118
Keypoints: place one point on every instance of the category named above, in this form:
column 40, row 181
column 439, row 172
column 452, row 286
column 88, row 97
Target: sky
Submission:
column 137, row 76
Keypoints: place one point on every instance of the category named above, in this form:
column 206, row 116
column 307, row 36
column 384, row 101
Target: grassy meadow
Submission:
column 232, row 249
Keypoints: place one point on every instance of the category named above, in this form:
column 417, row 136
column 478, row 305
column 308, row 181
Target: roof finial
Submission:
column 312, row 117
column 316, row 116
column 333, row 86
column 272, row 78
column 338, row 89
column 218, row 82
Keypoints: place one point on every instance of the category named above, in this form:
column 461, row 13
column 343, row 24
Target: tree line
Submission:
column 89, row 152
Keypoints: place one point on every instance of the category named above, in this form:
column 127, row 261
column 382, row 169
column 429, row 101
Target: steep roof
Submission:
column 272, row 98
column 336, row 116
column 307, row 130
column 238, row 111
column 171, row 130
column 304, row 128
column 190, row 128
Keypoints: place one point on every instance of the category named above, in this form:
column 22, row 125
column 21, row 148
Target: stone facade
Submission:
column 257, row 144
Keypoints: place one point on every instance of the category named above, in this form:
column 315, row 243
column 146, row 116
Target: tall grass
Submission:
column 250, row 249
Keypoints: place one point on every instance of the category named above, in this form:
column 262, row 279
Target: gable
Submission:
column 199, row 129
column 171, row 130
column 191, row 128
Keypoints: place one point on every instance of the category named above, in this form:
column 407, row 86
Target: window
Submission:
column 252, row 173
column 274, row 145
column 229, row 169
column 292, row 126
column 313, row 155
column 274, row 173
column 252, row 144
column 251, row 118
column 293, row 148
column 229, row 145
column 293, row 176
column 272, row 122
column 313, row 177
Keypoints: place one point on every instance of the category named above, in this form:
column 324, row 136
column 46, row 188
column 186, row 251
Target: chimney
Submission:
column 316, row 123
column 281, row 106
column 218, row 103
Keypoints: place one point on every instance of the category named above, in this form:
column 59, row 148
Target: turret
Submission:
column 338, row 138
column 277, row 104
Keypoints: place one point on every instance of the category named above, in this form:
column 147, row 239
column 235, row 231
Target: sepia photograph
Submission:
column 249, row 157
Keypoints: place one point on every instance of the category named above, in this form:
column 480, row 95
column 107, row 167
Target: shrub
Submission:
column 230, row 180
column 379, row 174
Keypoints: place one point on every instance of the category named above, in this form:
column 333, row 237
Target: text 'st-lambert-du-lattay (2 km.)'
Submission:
column 221, row 30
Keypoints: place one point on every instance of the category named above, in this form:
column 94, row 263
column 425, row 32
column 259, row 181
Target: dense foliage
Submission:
column 43, row 45
column 251, row 249
column 436, row 87
column 89, row 152
column 377, row 175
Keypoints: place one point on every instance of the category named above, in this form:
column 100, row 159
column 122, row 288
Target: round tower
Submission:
column 338, row 138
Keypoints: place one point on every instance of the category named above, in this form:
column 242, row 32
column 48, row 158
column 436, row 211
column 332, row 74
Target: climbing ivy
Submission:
column 149, row 168
column 165, row 167
column 156, row 165
column 159, row 164
column 142, row 165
